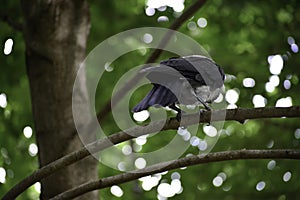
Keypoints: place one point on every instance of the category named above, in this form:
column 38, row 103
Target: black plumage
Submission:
column 186, row 80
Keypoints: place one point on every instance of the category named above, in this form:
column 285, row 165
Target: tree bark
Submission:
column 56, row 34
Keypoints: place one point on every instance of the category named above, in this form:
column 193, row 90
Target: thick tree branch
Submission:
column 14, row 24
column 155, row 54
column 175, row 164
column 239, row 114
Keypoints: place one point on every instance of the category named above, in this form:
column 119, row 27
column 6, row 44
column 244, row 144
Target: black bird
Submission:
column 190, row 80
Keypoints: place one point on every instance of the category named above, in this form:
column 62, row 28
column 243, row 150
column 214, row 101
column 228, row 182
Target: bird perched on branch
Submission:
column 190, row 80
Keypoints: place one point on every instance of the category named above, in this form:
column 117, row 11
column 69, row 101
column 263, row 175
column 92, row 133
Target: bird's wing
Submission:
column 198, row 70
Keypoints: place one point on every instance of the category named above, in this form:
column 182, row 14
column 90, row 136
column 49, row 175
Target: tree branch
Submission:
column 175, row 164
column 239, row 114
column 155, row 54
column 15, row 25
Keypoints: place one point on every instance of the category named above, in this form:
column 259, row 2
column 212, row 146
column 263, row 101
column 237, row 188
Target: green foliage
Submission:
column 240, row 35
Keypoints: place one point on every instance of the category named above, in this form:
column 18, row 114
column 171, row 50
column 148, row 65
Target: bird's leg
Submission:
column 203, row 103
column 179, row 111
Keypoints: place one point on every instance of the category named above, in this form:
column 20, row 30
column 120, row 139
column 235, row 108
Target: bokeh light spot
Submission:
column 165, row 190
column 127, row 150
column 141, row 116
column 287, row 176
column 291, row 40
column 192, row 26
column 276, row 64
column 202, row 22
column 210, row 131
column 116, row 191
column 202, row 145
column 27, row 131
column 149, row 11
column 37, row 187
column 2, row 175
column 3, row 100
column 295, row 48
column 8, row 45
column 269, row 87
column 147, row 38
column 177, row 5
column 162, row 19
column 297, row 133
column 232, row 96
column 175, row 175
column 274, row 80
column 284, row 102
column 32, row 149
column 217, row 181
column 140, row 163
column 260, row 186
column 141, row 140
column 287, row 84
column 150, row 181
column 194, row 141
column 248, row 82
column 108, row 67
column 271, row 165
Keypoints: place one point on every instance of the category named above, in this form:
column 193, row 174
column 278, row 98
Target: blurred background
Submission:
column 256, row 42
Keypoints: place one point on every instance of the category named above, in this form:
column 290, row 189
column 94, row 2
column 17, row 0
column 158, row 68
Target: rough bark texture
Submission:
column 55, row 34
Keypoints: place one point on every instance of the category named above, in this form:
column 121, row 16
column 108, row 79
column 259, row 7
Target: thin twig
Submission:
column 175, row 164
column 239, row 114
column 155, row 54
